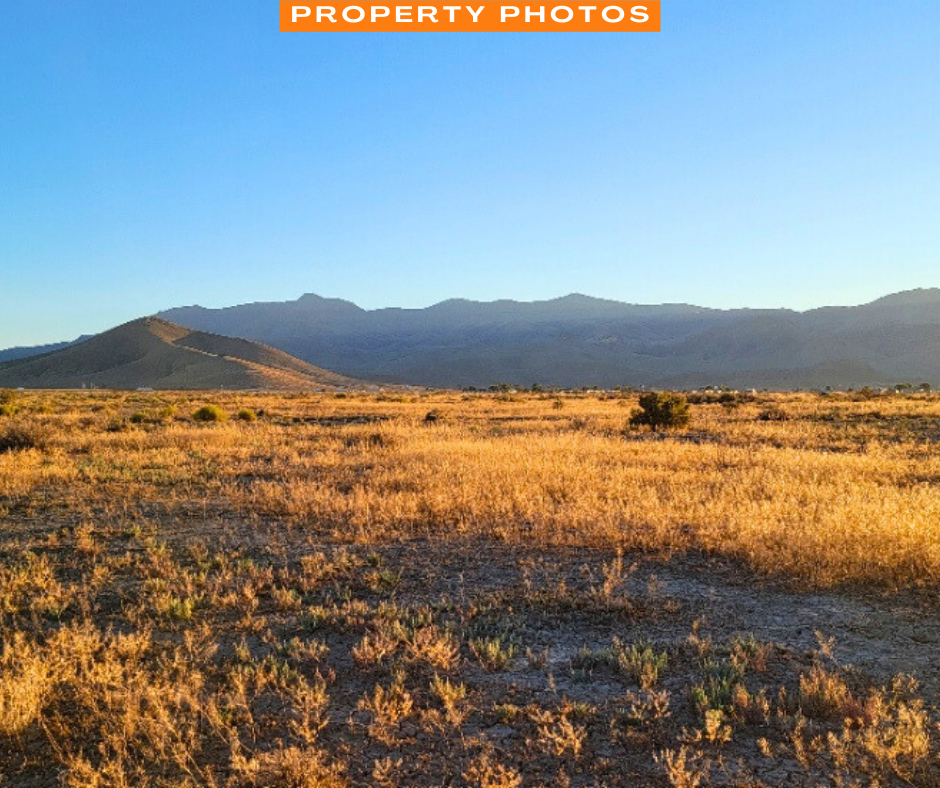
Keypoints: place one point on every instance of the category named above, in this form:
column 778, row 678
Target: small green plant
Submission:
column 642, row 663
column 383, row 580
column 661, row 409
column 493, row 653
column 246, row 414
column 748, row 652
column 179, row 608
column 506, row 712
column 210, row 413
column 717, row 692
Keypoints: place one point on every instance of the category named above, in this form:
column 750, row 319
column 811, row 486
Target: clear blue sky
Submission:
column 753, row 153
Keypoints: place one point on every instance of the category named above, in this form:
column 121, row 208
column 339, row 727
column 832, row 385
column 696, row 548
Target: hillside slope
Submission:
column 156, row 353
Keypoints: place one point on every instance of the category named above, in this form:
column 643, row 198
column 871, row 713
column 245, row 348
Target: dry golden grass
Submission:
column 842, row 491
column 283, row 602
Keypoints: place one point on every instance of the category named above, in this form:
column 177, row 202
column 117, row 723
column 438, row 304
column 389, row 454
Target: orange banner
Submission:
column 479, row 17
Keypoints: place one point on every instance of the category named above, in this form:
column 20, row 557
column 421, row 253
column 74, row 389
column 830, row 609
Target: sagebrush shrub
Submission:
column 18, row 437
column 8, row 405
column 661, row 409
column 210, row 413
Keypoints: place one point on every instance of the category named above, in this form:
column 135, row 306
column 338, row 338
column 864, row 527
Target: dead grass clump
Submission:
column 825, row 695
column 682, row 768
column 450, row 694
column 292, row 767
column 387, row 707
column 23, row 436
column 25, row 682
column 433, row 647
column 557, row 734
column 641, row 710
column 485, row 771
column 892, row 740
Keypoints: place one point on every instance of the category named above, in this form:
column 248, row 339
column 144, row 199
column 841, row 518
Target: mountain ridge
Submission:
column 578, row 340
column 152, row 352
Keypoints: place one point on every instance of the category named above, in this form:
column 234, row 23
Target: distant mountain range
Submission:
column 579, row 341
column 13, row 353
column 155, row 353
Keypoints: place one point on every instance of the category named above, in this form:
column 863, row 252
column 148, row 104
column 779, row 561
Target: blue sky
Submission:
column 751, row 154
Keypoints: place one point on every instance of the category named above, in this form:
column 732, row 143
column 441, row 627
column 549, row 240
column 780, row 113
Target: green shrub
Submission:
column 661, row 409
column 8, row 405
column 210, row 413
column 246, row 414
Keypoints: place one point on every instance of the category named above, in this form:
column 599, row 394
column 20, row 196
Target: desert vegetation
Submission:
column 524, row 589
